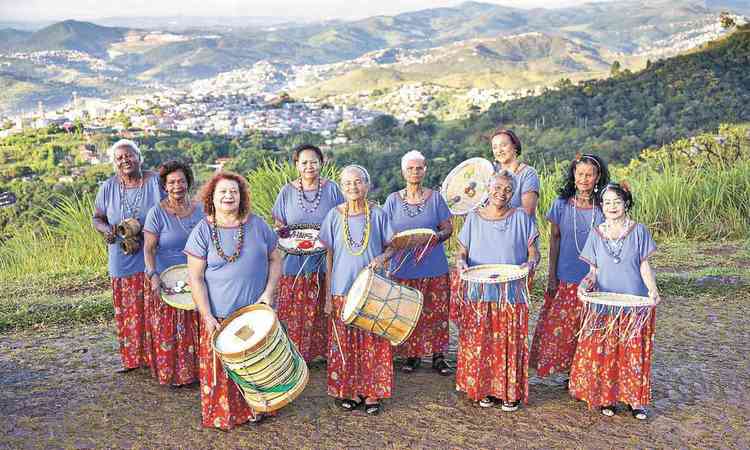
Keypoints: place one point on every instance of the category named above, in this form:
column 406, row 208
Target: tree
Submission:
column 615, row 70
column 726, row 20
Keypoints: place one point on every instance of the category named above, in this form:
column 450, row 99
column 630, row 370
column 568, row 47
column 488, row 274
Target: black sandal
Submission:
column 372, row 409
column 411, row 365
column 350, row 405
column 638, row 413
column 440, row 365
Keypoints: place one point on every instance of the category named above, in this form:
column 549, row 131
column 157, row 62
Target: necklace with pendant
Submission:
column 614, row 246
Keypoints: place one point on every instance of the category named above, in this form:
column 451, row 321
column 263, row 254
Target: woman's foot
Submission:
column 411, row 365
column 639, row 413
column 257, row 418
column 608, row 411
column 488, row 402
column 440, row 365
column 510, row 406
column 372, row 406
column 350, row 405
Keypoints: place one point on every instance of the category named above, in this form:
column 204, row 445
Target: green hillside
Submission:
column 74, row 35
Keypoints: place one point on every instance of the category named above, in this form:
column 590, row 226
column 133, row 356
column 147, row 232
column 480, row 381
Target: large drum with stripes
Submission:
column 260, row 358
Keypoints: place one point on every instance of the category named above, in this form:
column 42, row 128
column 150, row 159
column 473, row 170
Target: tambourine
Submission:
column 465, row 187
column 300, row 239
column 175, row 290
column 494, row 273
column 414, row 238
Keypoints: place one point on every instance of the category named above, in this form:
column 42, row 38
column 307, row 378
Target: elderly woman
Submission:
column 572, row 216
column 418, row 207
column 611, row 364
column 506, row 148
column 232, row 262
column 492, row 349
column 174, row 332
column 129, row 194
column 301, row 301
column 357, row 233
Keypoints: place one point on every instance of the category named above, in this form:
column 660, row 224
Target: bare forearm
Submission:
column 274, row 274
column 649, row 279
column 554, row 255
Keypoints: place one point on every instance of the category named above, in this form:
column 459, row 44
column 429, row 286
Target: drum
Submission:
column 378, row 305
column 300, row 239
column 466, row 186
column 175, row 290
column 500, row 283
column 129, row 228
column 260, row 358
column 621, row 316
column 417, row 238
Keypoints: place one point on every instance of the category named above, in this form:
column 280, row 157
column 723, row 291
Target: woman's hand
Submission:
column 654, row 296
column 155, row 281
column 378, row 263
column 111, row 236
column 461, row 265
column 211, row 324
column 266, row 300
column 552, row 285
column 328, row 307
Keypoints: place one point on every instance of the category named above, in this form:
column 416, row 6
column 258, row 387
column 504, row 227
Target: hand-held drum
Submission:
column 416, row 238
column 379, row 305
column 175, row 290
column 466, row 186
column 621, row 316
column 260, row 358
column 300, row 239
column 500, row 283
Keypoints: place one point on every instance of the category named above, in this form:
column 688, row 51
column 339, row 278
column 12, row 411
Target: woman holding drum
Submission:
column 612, row 362
column 492, row 349
column 124, row 200
column 506, row 148
column 232, row 262
column 174, row 332
column 418, row 208
column 301, row 301
column 357, row 233
column 572, row 216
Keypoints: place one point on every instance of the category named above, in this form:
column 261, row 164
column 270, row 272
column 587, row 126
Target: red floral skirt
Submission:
column 431, row 333
column 174, row 338
column 554, row 342
column 359, row 362
column 222, row 403
column 130, row 320
column 300, row 306
column 493, row 355
column 606, row 371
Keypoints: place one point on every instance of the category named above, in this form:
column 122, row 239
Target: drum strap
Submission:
column 280, row 388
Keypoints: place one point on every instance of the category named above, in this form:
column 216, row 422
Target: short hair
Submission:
column 503, row 173
column 622, row 191
column 207, row 193
column 362, row 170
column 173, row 166
column 302, row 147
column 124, row 143
column 412, row 155
column 511, row 135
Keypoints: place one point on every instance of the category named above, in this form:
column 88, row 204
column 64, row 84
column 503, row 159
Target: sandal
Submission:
column 608, row 411
column 510, row 406
column 638, row 413
column 411, row 365
column 488, row 402
column 257, row 418
column 440, row 365
column 350, row 405
column 125, row 369
column 372, row 409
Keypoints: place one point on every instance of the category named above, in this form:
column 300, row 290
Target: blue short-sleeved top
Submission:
column 570, row 268
column 113, row 201
column 240, row 283
column 504, row 241
column 286, row 210
column 347, row 266
column 623, row 277
column 527, row 180
column 172, row 233
column 435, row 211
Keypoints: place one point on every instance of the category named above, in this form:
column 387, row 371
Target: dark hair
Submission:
column 568, row 189
column 511, row 135
column 302, row 147
column 622, row 192
column 207, row 193
column 173, row 166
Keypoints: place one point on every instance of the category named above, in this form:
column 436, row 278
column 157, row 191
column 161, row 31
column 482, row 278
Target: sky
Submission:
column 39, row 10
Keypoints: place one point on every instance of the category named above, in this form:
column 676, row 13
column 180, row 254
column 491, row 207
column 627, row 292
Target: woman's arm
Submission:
column 445, row 230
column 588, row 282
column 274, row 273
column 327, row 284
column 461, row 258
column 529, row 201
column 100, row 223
column 554, row 256
column 196, row 271
column 379, row 261
column 533, row 258
column 649, row 279
column 150, row 242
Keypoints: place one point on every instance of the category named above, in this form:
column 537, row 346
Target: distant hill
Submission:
column 74, row 35
column 9, row 38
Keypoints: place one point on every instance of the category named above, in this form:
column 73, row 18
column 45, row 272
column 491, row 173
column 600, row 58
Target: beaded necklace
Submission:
column 614, row 246
column 302, row 196
column 130, row 209
column 575, row 223
column 240, row 237
column 407, row 207
column 350, row 243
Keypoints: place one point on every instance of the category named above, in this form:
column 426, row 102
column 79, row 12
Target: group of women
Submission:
column 233, row 261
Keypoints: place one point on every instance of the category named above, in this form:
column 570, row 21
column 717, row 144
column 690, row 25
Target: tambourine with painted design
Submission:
column 300, row 239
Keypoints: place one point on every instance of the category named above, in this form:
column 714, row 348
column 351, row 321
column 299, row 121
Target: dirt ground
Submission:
column 58, row 390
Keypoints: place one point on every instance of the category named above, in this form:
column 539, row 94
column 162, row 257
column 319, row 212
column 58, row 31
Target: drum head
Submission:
column 301, row 239
column 245, row 330
column 465, row 187
column 494, row 273
column 357, row 294
column 175, row 290
column 615, row 299
column 416, row 237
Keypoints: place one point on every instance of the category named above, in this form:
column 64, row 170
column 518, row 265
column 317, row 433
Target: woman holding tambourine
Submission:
column 301, row 301
column 612, row 362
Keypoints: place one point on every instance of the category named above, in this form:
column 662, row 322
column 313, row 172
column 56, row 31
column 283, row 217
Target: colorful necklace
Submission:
column 240, row 237
column 350, row 243
column 407, row 207
column 130, row 209
column 302, row 196
column 614, row 247
column 575, row 222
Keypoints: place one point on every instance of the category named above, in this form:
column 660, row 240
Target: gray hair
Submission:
column 360, row 169
column 124, row 143
column 413, row 155
column 503, row 173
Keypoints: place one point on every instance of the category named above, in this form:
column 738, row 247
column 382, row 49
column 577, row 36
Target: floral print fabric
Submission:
column 300, row 307
column 130, row 320
column 554, row 342
column 431, row 333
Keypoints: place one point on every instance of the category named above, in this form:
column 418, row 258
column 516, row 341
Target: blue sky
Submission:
column 33, row 10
